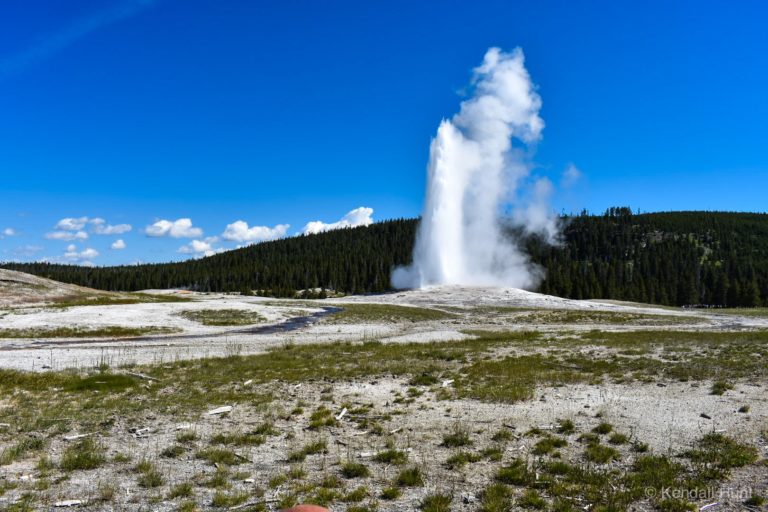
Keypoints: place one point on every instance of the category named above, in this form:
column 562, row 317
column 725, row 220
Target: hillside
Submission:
column 673, row 258
column 17, row 288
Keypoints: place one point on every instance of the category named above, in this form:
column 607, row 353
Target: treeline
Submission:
column 675, row 258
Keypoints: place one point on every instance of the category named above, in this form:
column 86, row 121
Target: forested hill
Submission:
column 675, row 258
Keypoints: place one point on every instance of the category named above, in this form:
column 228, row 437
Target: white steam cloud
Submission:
column 477, row 161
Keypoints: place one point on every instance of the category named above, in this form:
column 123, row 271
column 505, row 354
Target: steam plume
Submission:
column 476, row 162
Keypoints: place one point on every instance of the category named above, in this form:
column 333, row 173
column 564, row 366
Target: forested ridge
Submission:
column 672, row 258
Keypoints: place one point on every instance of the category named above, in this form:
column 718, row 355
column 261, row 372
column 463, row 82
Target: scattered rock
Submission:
column 77, row 436
column 139, row 432
column 219, row 410
column 69, row 503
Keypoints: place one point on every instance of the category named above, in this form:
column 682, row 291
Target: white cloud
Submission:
column 100, row 227
column 239, row 231
column 67, row 235
column 72, row 223
column 118, row 245
column 571, row 175
column 8, row 232
column 82, row 257
column 180, row 228
column 201, row 247
column 71, row 228
column 358, row 217
column 89, row 254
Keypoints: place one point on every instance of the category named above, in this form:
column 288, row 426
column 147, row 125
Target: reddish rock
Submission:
column 306, row 508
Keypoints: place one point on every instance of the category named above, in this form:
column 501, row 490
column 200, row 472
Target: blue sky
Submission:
column 280, row 113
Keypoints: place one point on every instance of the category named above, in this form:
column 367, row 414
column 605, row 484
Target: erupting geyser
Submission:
column 474, row 166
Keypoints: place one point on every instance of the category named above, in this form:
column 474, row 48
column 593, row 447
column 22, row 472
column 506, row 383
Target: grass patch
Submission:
column 410, row 477
column 112, row 331
column 719, row 387
column 312, row 448
column 383, row 313
column 502, row 436
column 436, row 503
column 391, row 456
column 20, row 449
column 354, row 470
column 117, row 300
column 548, row 445
column 86, row 453
column 357, row 495
column 238, row 439
column 222, row 317
column 391, row 493
column 460, row 459
column 600, row 454
column 458, row 437
column 496, row 498
column 516, row 473
column 103, row 382
column 219, row 456
column 186, row 436
column 715, row 455
column 532, row 499
column 603, row 428
column 150, row 477
column 617, row 438
column 565, row 427
column 182, row 490
column 173, row 452
column 221, row 499
column 322, row 417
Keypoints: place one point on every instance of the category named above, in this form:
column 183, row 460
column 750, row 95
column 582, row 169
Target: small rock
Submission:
column 219, row 410
column 69, row 503
column 705, row 416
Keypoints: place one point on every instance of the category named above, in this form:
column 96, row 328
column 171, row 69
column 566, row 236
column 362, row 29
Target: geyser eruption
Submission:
column 476, row 161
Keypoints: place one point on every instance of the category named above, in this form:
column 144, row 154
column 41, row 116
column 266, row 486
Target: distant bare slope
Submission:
column 18, row 288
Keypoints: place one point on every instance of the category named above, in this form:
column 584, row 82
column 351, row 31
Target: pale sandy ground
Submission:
column 668, row 418
column 194, row 340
